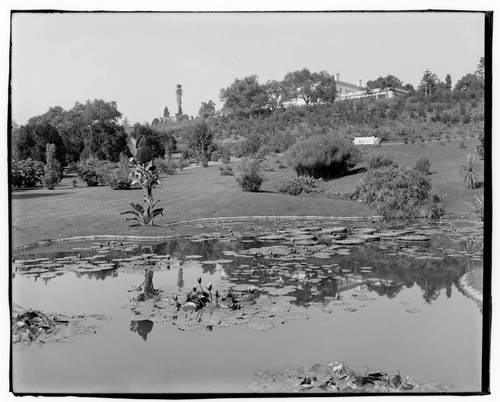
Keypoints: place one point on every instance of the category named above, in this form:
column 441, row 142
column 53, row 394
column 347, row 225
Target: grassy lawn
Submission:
column 67, row 211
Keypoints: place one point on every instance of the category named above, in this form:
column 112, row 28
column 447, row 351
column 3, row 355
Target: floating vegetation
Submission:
column 35, row 327
column 337, row 377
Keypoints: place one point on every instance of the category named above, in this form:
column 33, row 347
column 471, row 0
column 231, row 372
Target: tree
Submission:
column 52, row 169
column 166, row 113
column 104, row 141
column 388, row 82
column 178, row 92
column 301, row 84
column 480, row 70
column 31, row 141
column 161, row 143
column 448, row 82
column 428, row 84
column 155, row 122
column 469, row 83
column 201, row 140
column 275, row 94
column 326, row 87
column 244, row 97
column 207, row 109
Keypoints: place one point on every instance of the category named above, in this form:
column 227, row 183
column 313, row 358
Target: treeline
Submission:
column 255, row 119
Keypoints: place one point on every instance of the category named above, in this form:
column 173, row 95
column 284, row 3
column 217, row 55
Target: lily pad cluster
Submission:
column 205, row 308
column 337, row 377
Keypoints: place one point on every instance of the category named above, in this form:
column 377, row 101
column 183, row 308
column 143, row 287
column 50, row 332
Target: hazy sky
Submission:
column 138, row 59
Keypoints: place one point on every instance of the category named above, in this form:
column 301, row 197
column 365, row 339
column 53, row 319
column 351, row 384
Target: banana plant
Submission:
column 145, row 174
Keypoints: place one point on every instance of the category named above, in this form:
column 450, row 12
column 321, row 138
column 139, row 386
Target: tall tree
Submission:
column 447, row 81
column 178, row 92
column 480, row 70
column 166, row 113
column 428, row 84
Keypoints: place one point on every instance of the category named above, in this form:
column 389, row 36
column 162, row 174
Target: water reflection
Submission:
column 386, row 268
column 143, row 328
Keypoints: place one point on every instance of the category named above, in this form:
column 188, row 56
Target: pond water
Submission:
column 307, row 298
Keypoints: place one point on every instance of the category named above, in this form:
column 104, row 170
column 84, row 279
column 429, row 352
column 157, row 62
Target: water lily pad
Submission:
column 281, row 291
column 364, row 231
column 295, row 316
column 351, row 241
column 413, row 310
column 393, row 233
column 350, row 309
column 414, row 238
column 260, row 325
column 190, row 325
column 273, row 237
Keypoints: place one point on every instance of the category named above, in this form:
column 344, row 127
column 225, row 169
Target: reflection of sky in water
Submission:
column 439, row 342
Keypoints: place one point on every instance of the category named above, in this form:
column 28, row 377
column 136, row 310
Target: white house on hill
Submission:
column 346, row 90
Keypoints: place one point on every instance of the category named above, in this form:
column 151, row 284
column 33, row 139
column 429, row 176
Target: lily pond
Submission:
column 232, row 308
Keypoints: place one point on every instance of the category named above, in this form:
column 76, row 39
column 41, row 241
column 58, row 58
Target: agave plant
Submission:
column 469, row 170
column 145, row 174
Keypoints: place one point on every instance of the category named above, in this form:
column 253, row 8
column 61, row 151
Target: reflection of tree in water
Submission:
column 143, row 328
column 305, row 295
column 208, row 268
column 179, row 248
column 390, row 290
column 98, row 275
column 180, row 278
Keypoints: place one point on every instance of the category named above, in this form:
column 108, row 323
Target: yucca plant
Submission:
column 469, row 170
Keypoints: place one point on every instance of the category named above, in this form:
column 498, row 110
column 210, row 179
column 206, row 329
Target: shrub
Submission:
column 52, row 168
column 461, row 145
column 469, row 171
column 166, row 166
column 323, row 156
column 226, row 170
column 225, row 155
column 423, row 164
column 249, row 175
column 119, row 175
column 93, row 171
column 436, row 209
column 299, row 185
column 477, row 207
column 455, row 119
column 396, row 192
column 480, row 147
column 380, row 160
column 26, row 173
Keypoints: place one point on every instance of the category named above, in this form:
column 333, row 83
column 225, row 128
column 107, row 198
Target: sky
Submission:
column 137, row 59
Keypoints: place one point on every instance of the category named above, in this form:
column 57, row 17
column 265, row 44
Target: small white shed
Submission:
column 366, row 140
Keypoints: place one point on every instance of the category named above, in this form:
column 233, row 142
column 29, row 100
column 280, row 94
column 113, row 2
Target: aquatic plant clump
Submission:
column 35, row 327
column 337, row 377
